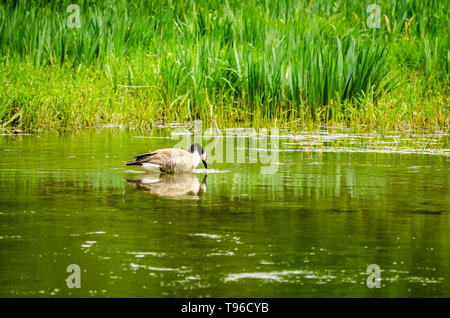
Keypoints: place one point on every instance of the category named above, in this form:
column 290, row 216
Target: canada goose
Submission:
column 182, row 185
column 171, row 160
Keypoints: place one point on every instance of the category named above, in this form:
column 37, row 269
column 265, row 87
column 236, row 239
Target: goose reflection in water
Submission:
column 184, row 185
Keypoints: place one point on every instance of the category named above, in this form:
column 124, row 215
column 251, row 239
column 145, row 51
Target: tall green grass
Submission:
column 224, row 59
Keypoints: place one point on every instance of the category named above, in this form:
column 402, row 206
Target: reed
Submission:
column 141, row 61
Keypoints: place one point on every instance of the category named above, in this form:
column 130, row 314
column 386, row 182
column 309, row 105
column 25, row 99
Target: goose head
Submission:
column 197, row 148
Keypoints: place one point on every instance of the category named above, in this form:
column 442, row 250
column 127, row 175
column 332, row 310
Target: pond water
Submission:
column 304, row 219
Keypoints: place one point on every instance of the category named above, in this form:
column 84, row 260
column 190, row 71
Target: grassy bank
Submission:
column 227, row 63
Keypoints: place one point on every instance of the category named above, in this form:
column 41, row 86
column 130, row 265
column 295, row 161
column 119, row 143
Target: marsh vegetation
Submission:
column 227, row 63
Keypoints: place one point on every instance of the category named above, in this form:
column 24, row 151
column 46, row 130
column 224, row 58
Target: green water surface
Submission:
column 309, row 228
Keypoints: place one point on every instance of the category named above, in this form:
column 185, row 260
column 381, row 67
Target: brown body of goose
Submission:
column 171, row 160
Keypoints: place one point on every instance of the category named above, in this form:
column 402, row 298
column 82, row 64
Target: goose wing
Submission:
column 165, row 158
